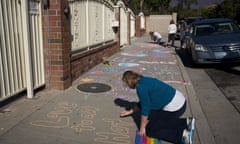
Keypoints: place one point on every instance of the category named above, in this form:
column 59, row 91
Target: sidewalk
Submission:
column 76, row 117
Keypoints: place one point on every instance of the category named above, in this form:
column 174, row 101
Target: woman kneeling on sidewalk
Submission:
column 161, row 107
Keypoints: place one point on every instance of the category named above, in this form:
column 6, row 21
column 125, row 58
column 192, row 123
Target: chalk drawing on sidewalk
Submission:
column 118, row 134
column 164, row 50
column 158, row 62
column 61, row 116
column 160, row 55
column 135, row 54
column 86, row 79
column 61, row 122
column 128, row 64
column 177, row 82
column 86, row 124
column 58, row 118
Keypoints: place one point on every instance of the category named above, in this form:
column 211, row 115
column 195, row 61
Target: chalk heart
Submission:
column 87, row 80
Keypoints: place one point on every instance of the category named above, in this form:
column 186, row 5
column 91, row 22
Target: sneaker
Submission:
column 190, row 123
column 185, row 137
column 191, row 136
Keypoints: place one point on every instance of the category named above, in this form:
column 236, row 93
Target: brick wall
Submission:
column 139, row 31
column 56, row 43
column 61, row 67
column 82, row 62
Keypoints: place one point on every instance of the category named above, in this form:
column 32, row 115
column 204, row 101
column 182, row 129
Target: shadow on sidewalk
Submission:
column 128, row 105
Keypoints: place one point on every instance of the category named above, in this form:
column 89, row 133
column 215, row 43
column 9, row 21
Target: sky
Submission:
column 201, row 3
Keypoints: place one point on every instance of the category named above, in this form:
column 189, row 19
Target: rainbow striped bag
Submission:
column 145, row 139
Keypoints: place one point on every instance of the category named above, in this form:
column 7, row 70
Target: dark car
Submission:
column 190, row 20
column 214, row 41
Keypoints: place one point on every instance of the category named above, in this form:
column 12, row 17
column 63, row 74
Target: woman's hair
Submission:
column 172, row 22
column 131, row 78
column 151, row 34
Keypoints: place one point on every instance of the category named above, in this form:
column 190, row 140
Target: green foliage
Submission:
column 210, row 11
column 186, row 3
column 227, row 9
column 157, row 6
column 135, row 6
column 154, row 6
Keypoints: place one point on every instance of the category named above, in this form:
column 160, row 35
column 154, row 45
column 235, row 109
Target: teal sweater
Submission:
column 153, row 94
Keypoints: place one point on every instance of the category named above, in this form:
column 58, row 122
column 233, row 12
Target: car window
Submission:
column 203, row 30
column 216, row 28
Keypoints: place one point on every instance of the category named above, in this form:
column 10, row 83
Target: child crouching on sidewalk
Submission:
column 156, row 37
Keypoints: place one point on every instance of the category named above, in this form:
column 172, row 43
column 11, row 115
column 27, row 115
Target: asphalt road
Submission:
column 225, row 76
column 227, row 80
column 217, row 88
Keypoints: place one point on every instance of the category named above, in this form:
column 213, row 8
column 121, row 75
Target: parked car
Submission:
column 213, row 41
column 190, row 20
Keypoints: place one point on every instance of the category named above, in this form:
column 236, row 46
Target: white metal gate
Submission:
column 21, row 53
column 132, row 24
column 91, row 23
column 123, row 25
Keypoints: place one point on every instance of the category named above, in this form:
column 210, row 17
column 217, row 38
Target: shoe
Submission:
column 191, row 123
column 191, row 136
column 185, row 137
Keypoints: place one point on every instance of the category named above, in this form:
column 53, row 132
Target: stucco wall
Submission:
column 159, row 23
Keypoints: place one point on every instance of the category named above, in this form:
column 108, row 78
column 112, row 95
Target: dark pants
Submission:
column 167, row 126
column 155, row 39
column 171, row 37
column 182, row 38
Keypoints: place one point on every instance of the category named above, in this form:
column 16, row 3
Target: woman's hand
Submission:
column 142, row 132
column 143, row 124
column 126, row 113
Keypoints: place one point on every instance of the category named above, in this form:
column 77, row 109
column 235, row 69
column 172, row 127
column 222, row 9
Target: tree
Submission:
column 227, row 9
column 186, row 3
column 157, row 6
column 141, row 4
column 230, row 9
column 210, row 11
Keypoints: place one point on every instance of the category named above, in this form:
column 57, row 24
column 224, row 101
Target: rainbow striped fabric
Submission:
column 146, row 140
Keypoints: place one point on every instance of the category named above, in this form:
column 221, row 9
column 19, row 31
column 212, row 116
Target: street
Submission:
column 225, row 76
column 217, row 88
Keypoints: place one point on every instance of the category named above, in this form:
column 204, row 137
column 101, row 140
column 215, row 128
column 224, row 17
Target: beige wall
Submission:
column 159, row 23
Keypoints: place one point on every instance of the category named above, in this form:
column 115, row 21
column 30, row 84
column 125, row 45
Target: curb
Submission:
column 204, row 133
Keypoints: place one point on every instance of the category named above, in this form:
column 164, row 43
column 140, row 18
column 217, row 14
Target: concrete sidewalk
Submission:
column 73, row 116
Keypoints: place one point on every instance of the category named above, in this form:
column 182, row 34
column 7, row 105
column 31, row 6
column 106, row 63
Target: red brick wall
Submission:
column 61, row 67
column 139, row 31
column 56, row 43
column 129, row 28
column 84, row 61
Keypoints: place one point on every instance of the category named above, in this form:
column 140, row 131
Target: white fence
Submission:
column 142, row 20
column 91, row 23
column 132, row 24
column 123, row 23
column 21, row 53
